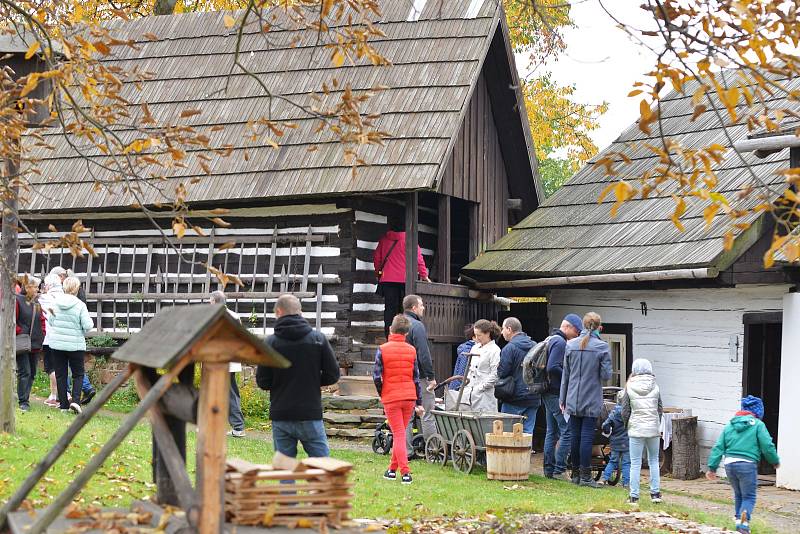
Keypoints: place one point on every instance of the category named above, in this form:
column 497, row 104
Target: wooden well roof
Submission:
column 571, row 234
column 437, row 61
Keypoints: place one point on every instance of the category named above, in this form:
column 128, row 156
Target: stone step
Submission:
column 351, row 402
column 362, row 368
column 357, row 385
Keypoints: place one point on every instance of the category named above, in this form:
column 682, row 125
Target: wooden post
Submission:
column 443, row 247
column 8, row 274
column 412, row 242
column 318, row 308
column 61, row 445
column 212, row 423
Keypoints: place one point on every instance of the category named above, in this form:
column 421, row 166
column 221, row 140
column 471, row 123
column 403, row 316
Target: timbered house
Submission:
column 458, row 166
column 715, row 323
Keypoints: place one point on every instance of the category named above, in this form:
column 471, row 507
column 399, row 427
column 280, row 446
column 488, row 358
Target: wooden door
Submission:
column 619, row 359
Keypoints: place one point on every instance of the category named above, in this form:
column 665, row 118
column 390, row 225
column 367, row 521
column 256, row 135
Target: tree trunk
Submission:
column 164, row 7
column 8, row 319
column 685, row 460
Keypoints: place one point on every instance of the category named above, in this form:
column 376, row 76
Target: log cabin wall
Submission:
column 369, row 224
column 133, row 260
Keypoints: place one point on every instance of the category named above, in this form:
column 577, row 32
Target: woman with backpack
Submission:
column 587, row 364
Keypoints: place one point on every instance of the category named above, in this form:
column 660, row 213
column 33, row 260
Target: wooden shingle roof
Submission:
column 570, row 234
column 437, row 60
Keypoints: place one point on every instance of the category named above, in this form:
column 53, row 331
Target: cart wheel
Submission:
column 436, row 450
column 462, row 452
column 418, row 446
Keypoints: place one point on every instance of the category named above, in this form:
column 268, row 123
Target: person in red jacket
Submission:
column 396, row 378
column 389, row 261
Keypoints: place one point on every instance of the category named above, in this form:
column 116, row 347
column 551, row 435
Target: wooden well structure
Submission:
column 161, row 360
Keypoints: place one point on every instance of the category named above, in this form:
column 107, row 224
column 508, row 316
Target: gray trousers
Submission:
column 235, row 416
column 428, row 422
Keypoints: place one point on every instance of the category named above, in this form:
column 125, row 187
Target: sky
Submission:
column 602, row 62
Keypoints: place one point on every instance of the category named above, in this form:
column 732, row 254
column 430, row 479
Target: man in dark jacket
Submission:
column 414, row 309
column 523, row 402
column 555, row 461
column 295, row 400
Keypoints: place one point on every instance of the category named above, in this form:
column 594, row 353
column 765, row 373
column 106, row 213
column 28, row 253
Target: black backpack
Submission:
column 534, row 367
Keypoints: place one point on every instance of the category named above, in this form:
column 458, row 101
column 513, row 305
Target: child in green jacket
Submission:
column 744, row 440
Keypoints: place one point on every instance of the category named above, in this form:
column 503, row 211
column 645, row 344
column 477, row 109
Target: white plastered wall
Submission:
column 788, row 422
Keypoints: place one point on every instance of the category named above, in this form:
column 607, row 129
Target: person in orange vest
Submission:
column 396, row 377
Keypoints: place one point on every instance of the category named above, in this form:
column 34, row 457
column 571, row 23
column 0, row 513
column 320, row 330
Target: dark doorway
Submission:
column 761, row 369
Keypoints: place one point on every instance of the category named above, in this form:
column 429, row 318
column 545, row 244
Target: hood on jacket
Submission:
column 65, row 301
column 740, row 423
column 292, row 327
column 642, row 384
column 522, row 342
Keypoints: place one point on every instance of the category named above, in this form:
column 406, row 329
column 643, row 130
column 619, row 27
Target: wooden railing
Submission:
column 449, row 308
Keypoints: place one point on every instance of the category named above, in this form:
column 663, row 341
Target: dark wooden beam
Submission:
column 443, row 247
column 412, row 240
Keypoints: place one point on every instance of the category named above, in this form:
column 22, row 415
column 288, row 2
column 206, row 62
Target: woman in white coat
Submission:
column 482, row 373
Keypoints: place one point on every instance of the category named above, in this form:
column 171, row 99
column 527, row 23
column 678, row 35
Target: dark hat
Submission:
column 575, row 321
column 754, row 405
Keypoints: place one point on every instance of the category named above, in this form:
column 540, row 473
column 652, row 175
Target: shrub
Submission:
column 101, row 340
column 255, row 401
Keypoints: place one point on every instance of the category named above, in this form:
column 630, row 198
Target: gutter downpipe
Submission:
column 647, row 276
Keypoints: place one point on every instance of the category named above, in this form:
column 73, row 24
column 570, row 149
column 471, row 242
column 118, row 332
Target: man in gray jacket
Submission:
column 414, row 309
column 587, row 364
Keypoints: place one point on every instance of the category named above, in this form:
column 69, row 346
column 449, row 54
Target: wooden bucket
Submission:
column 508, row 454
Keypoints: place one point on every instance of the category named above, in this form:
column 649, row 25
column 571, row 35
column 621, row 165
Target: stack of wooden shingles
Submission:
column 319, row 496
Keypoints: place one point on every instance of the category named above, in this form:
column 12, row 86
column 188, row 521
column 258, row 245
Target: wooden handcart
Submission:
column 461, row 436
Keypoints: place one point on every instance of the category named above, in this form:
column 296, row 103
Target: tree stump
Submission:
column 685, row 460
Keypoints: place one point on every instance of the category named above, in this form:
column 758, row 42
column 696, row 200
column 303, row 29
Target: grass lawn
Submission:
column 435, row 491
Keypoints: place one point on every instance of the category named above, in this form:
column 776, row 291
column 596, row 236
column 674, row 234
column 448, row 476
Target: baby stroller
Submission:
column 601, row 446
column 383, row 439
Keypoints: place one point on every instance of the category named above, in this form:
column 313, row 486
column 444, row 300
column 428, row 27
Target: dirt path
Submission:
column 787, row 523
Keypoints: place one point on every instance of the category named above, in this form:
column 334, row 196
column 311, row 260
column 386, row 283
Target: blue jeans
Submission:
column 582, row 431
column 743, row 477
column 555, row 460
column 86, row 386
column 286, row 434
column 637, row 446
column 617, row 458
column 529, row 423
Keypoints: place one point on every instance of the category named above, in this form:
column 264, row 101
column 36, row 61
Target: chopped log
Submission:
column 61, row 445
column 65, row 497
column 685, row 460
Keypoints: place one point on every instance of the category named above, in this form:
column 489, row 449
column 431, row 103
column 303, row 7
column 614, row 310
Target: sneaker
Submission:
column 75, row 407
column 655, row 497
column 64, row 410
column 390, row 475
column 25, row 407
column 51, row 402
column 603, row 482
column 633, row 501
column 236, row 433
column 406, row 479
column 742, row 526
column 87, row 397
